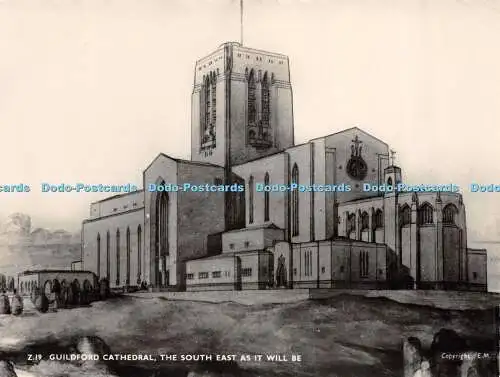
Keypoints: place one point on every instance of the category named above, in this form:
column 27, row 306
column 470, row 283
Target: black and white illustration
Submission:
column 328, row 211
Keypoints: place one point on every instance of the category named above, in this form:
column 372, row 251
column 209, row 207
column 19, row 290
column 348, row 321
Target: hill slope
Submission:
column 342, row 337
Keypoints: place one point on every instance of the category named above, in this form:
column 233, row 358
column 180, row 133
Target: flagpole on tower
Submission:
column 241, row 22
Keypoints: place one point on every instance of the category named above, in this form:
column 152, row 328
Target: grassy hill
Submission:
column 345, row 336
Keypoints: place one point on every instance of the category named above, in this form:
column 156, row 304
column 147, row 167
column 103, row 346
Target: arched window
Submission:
column 108, row 260
column 250, row 200
column 98, row 269
column 162, row 223
column 449, row 214
column 118, row 257
column 389, row 181
column 139, row 253
column 128, row 256
column 425, row 214
column 251, row 135
column 208, row 105
column 405, row 215
column 266, row 198
column 295, row 201
column 379, row 219
column 265, row 98
column 351, row 223
column 365, row 221
column 251, row 100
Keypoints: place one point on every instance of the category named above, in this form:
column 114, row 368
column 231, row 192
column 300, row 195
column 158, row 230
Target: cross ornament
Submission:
column 356, row 141
column 356, row 147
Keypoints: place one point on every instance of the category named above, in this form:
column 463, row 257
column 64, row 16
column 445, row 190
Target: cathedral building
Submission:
column 287, row 215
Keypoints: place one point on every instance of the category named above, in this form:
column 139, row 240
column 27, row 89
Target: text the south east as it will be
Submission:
column 231, row 357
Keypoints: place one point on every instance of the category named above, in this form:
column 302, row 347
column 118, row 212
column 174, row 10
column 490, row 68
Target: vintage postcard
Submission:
column 250, row 188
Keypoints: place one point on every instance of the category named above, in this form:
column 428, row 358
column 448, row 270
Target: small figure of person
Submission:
column 4, row 303
column 424, row 371
column 17, row 305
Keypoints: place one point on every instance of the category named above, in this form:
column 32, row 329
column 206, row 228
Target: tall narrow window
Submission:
column 128, row 256
column 449, row 214
column 295, row 201
column 98, row 269
column 365, row 221
column 251, row 101
column 208, row 103
column 363, row 264
column 379, row 219
column 139, row 253
column 118, row 257
column 266, row 108
column 266, row 198
column 208, row 114
column 162, row 223
column 108, row 256
column 161, row 237
column 306, row 270
column 250, row 200
column 351, row 223
column 405, row 215
column 308, row 263
column 425, row 214
column 213, row 92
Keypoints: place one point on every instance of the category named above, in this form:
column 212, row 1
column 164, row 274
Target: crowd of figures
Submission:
column 59, row 296
column 7, row 283
column 14, row 306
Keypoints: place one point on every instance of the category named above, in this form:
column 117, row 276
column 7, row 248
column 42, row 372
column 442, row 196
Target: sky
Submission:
column 91, row 91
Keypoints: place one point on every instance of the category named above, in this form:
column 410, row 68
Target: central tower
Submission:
column 241, row 106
